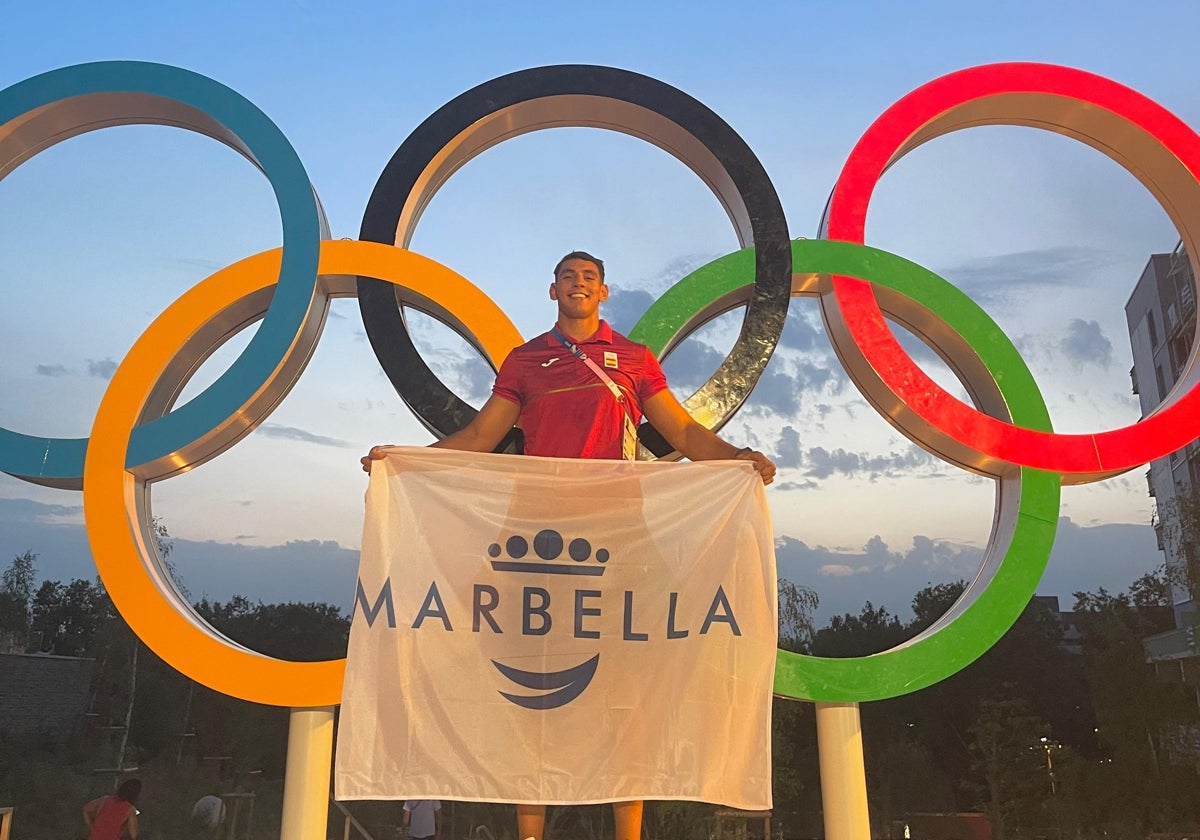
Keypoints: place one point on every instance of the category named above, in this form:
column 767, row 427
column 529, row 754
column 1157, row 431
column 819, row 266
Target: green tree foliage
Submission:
column 873, row 630
column 69, row 615
column 1139, row 717
column 793, row 733
column 301, row 632
column 16, row 593
column 1008, row 745
column 796, row 606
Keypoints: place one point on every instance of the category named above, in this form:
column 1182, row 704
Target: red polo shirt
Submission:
column 566, row 411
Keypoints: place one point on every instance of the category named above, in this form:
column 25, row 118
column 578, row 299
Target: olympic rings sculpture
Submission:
column 139, row 436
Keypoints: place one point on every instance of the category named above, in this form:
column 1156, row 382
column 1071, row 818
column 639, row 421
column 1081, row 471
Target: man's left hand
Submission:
column 764, row 465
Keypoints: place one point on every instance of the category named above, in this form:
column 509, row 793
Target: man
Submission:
column 569, row 407
column 423, row 818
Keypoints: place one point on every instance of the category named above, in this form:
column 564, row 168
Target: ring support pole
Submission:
column 843, row 775
column 306, row 779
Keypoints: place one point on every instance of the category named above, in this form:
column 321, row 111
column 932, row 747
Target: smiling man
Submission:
column 579, row 391
column 566, row 407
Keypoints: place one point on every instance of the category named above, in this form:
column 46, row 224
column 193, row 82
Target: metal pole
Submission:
column 843, row 775
column 306, row 779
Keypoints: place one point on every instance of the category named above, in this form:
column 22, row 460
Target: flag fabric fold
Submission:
column 559, row 631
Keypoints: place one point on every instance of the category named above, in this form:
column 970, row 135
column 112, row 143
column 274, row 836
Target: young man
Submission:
column 423, row 819
column 567, row 409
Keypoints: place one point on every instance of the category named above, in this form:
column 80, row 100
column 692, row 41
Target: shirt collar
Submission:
column 603, row 335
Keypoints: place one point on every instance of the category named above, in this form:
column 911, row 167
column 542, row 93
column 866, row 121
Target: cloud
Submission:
column 676, row 270
column 692, row 364
column 787, row 450
column 1006, row 277
column 102, row 369
column 27, row 510
column 452, row 360
column 1085, row 343
column 806, row 484
column 801, row 333
column 1083, row 559
column 625, row 307
column 777, row 392
column 198, row 262
column 274, row 430
column 823, row 463
column 50, row 370
column 842, row 570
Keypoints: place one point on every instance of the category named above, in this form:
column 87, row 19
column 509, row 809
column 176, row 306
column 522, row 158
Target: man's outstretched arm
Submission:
column 483, row 434
column 696, row 442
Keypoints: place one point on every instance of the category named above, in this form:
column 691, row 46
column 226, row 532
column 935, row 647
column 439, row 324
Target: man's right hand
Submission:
column 376, row 454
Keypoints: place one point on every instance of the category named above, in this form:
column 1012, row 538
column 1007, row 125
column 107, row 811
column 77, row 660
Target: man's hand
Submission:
column 376, row 454
column 764, row 465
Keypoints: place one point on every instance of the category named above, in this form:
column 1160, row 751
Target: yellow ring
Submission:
column 112, row 495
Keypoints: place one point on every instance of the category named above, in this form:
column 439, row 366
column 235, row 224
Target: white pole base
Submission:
column 843, row 775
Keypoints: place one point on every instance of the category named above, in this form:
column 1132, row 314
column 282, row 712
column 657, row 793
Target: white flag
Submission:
column 547, row 630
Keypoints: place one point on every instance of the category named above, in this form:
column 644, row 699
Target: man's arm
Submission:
column 483, row 434
column 696, row 442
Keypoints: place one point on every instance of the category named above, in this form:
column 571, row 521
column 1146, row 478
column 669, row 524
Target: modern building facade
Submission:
column 1161, row 315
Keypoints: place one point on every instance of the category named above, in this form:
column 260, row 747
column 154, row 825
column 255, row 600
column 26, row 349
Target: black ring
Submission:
column 599, row 97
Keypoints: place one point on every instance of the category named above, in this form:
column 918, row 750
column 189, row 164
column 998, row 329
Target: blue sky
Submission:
column 102, row 232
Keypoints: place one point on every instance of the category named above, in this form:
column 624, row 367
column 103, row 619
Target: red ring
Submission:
column 945, row 104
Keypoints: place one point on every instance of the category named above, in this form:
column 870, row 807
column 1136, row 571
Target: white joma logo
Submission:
column 552, row 361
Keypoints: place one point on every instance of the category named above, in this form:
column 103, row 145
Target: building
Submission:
column 1161, row 315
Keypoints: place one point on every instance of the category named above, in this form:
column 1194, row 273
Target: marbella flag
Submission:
column 547, row 630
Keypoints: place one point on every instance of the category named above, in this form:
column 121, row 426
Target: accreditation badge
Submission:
column 629, row 439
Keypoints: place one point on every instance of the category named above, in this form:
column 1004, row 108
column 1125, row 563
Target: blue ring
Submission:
column 59, row 461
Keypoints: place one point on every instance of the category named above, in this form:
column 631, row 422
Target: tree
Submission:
column 1139, row 717
column 793, row 736
column 16, row 593
column 871, row 631
column 934, row 601
column 1178, row 524
column 1008, row 743
column 69, row 615
column 1152, row 589
column 796, row 605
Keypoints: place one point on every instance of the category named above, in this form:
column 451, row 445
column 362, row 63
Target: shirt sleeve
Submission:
column 652, row 379
column 507, row 384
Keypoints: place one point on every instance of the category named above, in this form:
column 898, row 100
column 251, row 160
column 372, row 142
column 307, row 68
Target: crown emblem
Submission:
column 548, row 546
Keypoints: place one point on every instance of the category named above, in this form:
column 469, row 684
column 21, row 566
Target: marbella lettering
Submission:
column 585, row 610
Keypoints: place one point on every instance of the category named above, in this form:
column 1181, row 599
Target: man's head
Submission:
column 579, row 286
column 129, row 790
column 580, row 255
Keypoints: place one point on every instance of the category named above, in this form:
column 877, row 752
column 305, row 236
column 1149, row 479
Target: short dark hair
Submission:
column 129, row 790
column 580, row 255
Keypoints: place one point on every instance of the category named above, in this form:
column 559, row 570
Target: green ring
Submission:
column 932, row 656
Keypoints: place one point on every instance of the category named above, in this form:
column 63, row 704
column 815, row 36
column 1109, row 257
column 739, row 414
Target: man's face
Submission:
column 578, row 289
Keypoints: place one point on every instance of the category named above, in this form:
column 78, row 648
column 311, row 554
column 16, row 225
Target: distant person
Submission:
column 114, row 817
column 209, row 812
column 423, row 818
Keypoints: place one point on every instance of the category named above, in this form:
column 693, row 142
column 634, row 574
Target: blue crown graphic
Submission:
column 548, row 547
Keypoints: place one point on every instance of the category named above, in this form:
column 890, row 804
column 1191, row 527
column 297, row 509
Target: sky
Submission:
column 102, row 232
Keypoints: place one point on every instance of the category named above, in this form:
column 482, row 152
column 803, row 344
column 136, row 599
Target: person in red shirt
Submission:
column 567, row 410
column 114, row 817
